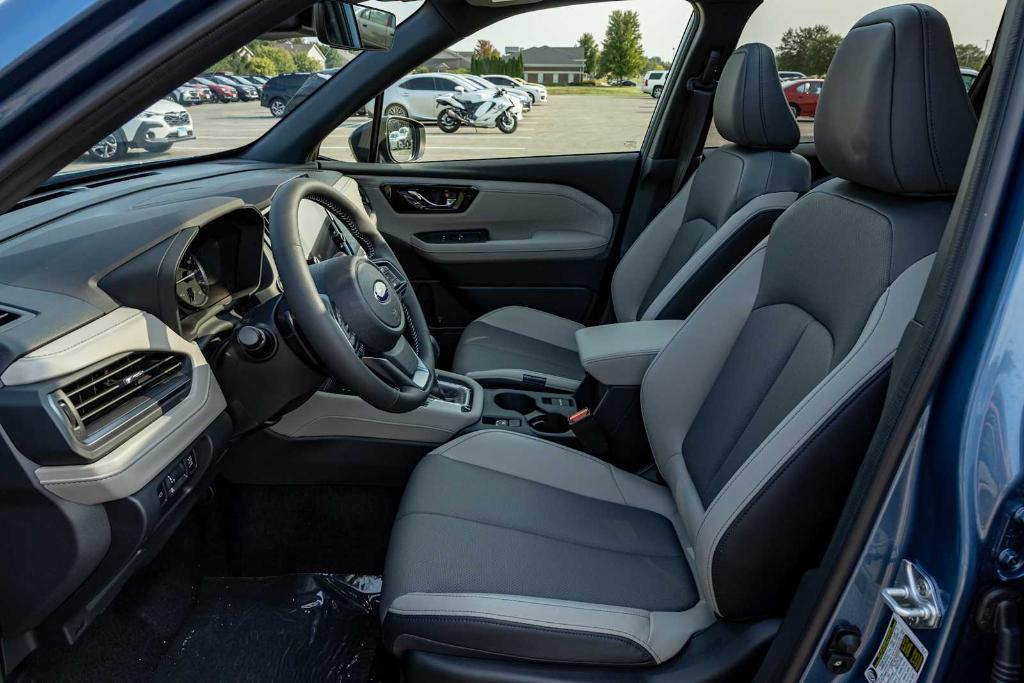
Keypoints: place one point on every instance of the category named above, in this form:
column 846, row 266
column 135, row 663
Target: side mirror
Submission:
column 340, row 25
column 401, row 140
column 353, row 27
column 460, row 88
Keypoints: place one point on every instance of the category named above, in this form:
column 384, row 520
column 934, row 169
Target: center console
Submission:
column 530, row 412
column 454, row 405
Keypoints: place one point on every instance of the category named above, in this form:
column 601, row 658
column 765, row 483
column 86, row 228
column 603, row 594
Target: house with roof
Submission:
column 546, row 64
column 311, row 50
column 448, row 60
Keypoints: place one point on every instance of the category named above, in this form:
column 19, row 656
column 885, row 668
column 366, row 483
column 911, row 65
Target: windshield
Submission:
column 229, row 105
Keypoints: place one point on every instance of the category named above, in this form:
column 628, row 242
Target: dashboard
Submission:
column 114, row 299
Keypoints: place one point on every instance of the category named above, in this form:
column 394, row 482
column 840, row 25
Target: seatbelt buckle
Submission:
column 579, row 416
column 588, row 432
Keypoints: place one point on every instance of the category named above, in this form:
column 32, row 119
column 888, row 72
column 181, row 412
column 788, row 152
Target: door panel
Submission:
column 531, row 232
column 508, row 221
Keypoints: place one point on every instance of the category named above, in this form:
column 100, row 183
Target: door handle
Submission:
column 416, row 198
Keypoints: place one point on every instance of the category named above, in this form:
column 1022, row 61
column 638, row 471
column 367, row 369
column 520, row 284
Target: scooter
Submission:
column 462, row 109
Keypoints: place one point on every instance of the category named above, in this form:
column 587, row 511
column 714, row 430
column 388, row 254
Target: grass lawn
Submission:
column 594, row 90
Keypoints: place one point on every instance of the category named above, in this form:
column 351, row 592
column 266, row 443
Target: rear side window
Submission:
column 419, row 84
column 656, row 76
column 806, row 33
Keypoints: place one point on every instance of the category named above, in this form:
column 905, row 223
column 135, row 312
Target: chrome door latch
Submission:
column 914, row 597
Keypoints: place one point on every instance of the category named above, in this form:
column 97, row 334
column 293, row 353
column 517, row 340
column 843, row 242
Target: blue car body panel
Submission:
column 953, row 499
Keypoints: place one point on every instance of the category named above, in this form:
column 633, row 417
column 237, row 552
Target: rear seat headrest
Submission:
column 750, row 108
column 894, row 114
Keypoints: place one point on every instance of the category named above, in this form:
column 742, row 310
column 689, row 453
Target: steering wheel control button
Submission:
column 257, row 344
column 391, row 274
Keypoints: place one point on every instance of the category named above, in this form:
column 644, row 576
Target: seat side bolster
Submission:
column 661, row 635
column 679, row 379
column 766, row 205
column 871, row 353
column 640, row 263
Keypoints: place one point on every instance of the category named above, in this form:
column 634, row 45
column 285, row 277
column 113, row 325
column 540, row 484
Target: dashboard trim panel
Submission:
column 133, row 464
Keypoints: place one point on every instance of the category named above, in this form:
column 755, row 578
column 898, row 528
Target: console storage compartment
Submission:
column 618, row 355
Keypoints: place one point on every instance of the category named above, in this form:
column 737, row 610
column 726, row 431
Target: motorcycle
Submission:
column 462, row 109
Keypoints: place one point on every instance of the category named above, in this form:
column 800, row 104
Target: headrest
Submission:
column 894, row 114
column 750, row 108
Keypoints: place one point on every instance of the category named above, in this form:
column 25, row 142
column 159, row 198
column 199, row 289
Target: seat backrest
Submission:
column 729, row 203
column 760, row 410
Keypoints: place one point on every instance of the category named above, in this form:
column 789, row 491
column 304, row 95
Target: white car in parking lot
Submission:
column 416, row 95
column 654, row 83
column 157, row 128
column 537, row 92
column 516, row 94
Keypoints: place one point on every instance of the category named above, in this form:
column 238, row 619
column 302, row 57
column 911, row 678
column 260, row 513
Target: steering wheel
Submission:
column 353, row 311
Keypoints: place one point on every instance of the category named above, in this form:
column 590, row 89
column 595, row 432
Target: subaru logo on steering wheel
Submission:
column 380, row 290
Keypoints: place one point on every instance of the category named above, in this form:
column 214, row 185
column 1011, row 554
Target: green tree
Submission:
column 591, row 53
column 334, row 58
column 655, row 64
column 305, row 63
column 808, row 49
column 281, row 59
column 235, row 63
column 622, row 54
column 969, row 55
column 486, row 49
column 261, row 66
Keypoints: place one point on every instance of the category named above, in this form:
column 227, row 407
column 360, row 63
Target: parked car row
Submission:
column 218, row 87
column 416, row 96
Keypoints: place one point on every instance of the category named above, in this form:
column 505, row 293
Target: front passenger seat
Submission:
column 726, row 208
column 553, row 564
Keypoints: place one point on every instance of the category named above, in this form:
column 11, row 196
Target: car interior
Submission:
column 272, row 416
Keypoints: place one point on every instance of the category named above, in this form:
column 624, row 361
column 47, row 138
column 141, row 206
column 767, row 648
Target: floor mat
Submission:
column 299, row 627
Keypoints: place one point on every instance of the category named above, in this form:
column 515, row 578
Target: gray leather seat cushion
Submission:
column 510, row 341
column 532, row 547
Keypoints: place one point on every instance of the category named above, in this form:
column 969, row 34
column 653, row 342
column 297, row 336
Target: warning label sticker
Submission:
column 900, row 656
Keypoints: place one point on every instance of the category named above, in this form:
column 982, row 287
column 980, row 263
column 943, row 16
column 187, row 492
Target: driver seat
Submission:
column 758, row 412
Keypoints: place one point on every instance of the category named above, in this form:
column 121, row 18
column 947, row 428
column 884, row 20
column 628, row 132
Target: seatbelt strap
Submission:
column 702, row 95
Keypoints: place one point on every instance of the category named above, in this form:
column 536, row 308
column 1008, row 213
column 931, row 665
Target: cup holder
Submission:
column 520, row 403
column 550, row 423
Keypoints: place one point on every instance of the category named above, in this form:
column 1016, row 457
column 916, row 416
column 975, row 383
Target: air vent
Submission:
column 123, row 395
column 7, row 317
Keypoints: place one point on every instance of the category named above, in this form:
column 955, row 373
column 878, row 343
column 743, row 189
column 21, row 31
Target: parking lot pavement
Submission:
column 567, row 124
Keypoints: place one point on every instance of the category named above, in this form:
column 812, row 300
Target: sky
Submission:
column 662, row 21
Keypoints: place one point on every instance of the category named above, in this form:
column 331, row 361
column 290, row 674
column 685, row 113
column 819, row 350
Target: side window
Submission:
column 570, row 78
column 445, row 84
column 418, row 84
column 805, row 35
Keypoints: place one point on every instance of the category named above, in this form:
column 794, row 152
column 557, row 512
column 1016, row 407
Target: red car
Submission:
column 802, row 95
column 224, row 93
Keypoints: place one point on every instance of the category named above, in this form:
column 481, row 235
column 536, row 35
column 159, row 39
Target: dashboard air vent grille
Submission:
column 123, row 393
